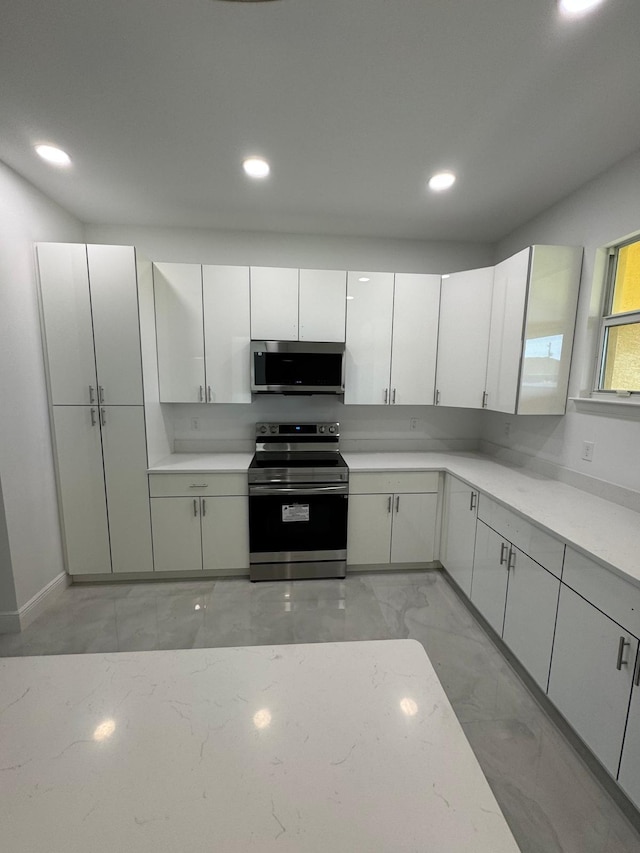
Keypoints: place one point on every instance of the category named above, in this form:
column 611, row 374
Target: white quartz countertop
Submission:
column 327, row 747
column 202, row 463
column 603, row 530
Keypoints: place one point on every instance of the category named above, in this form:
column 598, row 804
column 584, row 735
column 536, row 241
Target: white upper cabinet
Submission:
column 505, row 339
column 369, row 325
column 463, row 338
column 179, row 327
column 225, row 292
column 66, row 307
column 415, row 339
column 116, row 331
column 274, row 304
column 533, row 313
column 292, row 305
column 90, row 309
column 322, row 305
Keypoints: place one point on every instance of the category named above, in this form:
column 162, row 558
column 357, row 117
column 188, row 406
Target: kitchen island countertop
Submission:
column 342, row 747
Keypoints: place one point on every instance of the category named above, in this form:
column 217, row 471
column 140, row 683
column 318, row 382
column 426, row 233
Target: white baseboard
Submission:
column 34, row 607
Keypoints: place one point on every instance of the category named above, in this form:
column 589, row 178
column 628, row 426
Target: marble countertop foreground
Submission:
column 326, row 747
column 603, row 530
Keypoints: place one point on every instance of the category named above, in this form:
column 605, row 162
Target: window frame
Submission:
column 608, row 320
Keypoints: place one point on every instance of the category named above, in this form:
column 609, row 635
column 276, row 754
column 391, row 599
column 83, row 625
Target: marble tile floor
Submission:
column 551, row 800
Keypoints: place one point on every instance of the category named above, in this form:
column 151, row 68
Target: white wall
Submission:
column 26, row 462
column 368, row 424
column 601, row 212
column 192, row 245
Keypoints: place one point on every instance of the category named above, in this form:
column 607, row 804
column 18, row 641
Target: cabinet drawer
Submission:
column 541, row 546
column 195, row 485
column 406, row 482
column 615, row 596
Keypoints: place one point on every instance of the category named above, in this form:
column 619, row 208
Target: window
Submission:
column 619, row 366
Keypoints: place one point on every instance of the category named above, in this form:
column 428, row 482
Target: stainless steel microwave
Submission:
column 297, row 367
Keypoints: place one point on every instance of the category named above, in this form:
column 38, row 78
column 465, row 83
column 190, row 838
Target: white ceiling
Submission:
column 354, row 102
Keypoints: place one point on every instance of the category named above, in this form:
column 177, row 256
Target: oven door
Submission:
column 298, row 530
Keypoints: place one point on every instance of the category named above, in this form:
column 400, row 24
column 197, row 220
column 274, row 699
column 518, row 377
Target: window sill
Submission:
column 619, row 408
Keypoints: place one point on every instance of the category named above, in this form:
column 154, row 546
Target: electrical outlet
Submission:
column 587, row 450
column 413, row 424
column 195, row 424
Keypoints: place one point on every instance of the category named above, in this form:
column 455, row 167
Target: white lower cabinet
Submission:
column 629, row 777
column 530, row 614
column 387, row 528
column 81, row 488
column 490, row 575
column 591, row 675
column 200, row 522
column 457, row 543
column 101, row 459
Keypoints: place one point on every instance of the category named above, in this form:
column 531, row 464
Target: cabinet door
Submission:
column 125, row 467
column 178, row 301
column 585, row 684
column 416, row 303
column 414, row 528
column 368, row 350
column 490, row 576
column 463, row 338
column 177, row 543
column 530, row 615
column 629, row 777
column 66, row 309
column 225, row 533
column 81, row 486
column 274, row 304
column 227, row 333
column 507, row 329
column 322, row 305
column 369, row 529
column 116, row 331
column 459, row 531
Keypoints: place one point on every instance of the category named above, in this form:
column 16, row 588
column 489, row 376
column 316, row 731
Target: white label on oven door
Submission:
column 295, row 512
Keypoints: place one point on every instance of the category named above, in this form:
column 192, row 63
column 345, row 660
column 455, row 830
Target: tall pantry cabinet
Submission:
column 89, row 304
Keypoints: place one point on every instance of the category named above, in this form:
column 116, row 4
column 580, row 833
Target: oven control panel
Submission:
column 290, row 430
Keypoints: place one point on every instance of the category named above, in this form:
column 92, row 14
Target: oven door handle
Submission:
column 340, row 489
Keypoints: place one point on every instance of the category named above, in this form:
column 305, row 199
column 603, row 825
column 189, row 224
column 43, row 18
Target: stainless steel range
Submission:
column 298, row 499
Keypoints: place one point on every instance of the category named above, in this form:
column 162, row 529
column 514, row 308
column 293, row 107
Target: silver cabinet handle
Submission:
column 437, row 397
column 198, row 485
column 503, row 549
column 511, row 562
column 393, row 401
column 386, row 396
column 204, row 506
column 620, row 663
column 92, row 393
column 472, row 502
column 103, row 417
column 195, row 506
column 201, row 394
column 100, row 394
column 209, row 394
column 389, row 503
column 397, row 503
column 485, row 398
column 93, row 417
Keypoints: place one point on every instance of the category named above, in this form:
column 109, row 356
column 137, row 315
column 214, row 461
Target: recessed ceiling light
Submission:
column 53, row 155
column 364, row 278
column 442, row 181
column 256, row 167
column 577, row 7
